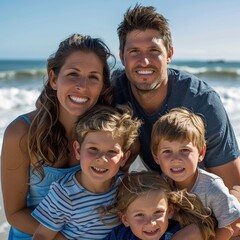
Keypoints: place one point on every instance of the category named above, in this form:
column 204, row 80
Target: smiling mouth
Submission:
column 151, row 232
column 99, row 170
column 145, row 72
column 177, row 170
column 78, row 99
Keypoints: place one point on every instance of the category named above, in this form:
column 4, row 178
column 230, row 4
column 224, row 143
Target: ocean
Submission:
column 21, row 82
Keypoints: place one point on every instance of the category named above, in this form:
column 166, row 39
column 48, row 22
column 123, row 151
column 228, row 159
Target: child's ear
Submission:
column 125, row 157
column 155, row 157
column 124, row 219
column 77, row 148
column 202, row 153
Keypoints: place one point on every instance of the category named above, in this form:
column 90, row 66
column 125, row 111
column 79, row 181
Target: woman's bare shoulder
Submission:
column 19, row 126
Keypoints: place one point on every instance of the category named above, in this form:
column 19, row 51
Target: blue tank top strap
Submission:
column 25, row 118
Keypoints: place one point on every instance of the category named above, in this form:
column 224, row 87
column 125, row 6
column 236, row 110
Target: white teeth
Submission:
column 99, row 169
column 151, row 231
column 144, row 72
column 78, row 100
column 177, row 169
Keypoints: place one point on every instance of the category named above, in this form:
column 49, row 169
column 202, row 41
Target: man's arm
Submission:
column 229, row 172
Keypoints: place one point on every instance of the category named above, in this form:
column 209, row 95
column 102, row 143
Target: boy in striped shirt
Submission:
column 73, row 205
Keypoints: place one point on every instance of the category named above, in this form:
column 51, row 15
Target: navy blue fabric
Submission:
column 184, row 90
column 124, row 233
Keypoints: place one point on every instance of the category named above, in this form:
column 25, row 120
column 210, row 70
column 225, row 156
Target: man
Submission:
column 152, row 89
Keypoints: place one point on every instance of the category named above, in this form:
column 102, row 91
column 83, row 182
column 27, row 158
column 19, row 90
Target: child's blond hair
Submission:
column 179, row 124
column 188, row 208
column 118, row 120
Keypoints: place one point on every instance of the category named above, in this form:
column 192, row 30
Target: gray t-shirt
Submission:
column 215, row 195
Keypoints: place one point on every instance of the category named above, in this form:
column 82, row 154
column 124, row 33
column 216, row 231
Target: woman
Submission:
column 37, row 146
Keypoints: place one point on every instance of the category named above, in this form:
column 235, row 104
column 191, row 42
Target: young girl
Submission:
column 145, row 204
column 178, row 145
column 37, row 146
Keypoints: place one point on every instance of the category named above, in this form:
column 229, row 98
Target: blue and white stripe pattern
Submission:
column 71, row 209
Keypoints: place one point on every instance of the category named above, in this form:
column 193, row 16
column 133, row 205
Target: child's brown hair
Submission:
column 178, row 124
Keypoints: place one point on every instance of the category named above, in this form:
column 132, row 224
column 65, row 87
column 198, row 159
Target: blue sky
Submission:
column 201, row 29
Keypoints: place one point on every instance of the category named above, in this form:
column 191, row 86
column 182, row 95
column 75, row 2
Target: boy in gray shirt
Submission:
column 178, row 145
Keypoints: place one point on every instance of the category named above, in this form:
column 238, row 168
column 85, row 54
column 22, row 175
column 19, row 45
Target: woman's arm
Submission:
column 15, row 166
column 44, row 233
